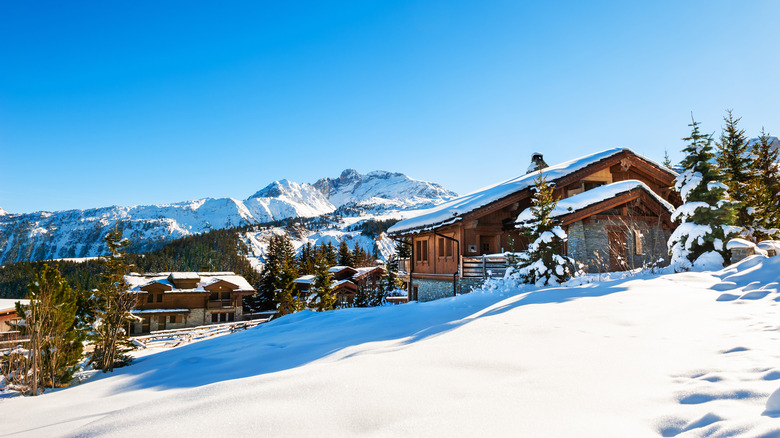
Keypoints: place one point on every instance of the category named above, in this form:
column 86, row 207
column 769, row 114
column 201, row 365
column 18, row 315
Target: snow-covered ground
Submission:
column 689, row 354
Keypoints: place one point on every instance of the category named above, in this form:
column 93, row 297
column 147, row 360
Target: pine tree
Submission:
column 764, row 187
column 113, row 307
column 543, row 263
column 667, row 162
column 706, row 218
column 323, row 297
column 734, row 164
column 330, row 254
column 54, row 324
column 345, row 255
column 285, row 293
column 306, row 259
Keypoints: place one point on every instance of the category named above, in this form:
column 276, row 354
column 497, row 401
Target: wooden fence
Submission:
column 175, row 337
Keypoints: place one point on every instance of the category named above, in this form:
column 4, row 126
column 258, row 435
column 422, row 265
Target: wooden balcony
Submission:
column 484, row 266
column 222, row 304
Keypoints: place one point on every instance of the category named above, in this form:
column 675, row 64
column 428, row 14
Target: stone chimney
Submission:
column 537, row 162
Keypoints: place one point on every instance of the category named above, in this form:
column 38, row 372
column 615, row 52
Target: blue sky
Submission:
column 129, row 103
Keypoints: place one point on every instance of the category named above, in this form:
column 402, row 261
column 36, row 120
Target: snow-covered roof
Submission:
column 740, row 243
column 137, row 281
column 343, row 282
column 10, row 303
column 586, row 199
column 452, row 211
column 339, row 269
column 176, row 276
column 304, row 279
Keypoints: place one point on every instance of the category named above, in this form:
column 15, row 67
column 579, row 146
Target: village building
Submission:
column 173, row 300
column 614, row 205
column 9, row 318
column 346, row 281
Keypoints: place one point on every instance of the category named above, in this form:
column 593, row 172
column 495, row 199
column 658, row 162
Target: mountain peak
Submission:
column 3, row 212
column 275, row 189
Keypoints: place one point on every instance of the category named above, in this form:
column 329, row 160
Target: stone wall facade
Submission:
column 588, row 243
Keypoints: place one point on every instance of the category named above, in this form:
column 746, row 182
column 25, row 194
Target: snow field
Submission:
column 688, row 355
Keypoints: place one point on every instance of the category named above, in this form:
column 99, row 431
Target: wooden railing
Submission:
column 175, row 337
column 221, row 304
column 484, row 266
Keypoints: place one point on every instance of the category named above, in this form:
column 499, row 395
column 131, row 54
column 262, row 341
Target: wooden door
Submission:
column 618, row 250
column 161, row 322
column 145, row 325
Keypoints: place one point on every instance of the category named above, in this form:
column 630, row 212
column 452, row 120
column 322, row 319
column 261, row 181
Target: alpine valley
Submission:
column 340, row 205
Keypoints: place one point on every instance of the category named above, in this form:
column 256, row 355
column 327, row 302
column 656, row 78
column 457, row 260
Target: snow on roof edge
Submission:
column 584, row 200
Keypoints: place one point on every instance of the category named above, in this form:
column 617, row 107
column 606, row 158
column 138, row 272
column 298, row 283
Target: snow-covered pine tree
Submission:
column 323, row 297
column 543, row 263
column 762, row 196
column 707, row 215
column 734, row 163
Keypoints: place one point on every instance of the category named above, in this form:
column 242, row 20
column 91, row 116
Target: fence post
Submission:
column 484, row 267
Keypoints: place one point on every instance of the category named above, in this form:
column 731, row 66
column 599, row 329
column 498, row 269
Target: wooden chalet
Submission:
column 346, row 281
column 173, row 300
column 614, row 205
column 8, row 316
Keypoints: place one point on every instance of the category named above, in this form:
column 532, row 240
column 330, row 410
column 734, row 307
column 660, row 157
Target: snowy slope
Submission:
column 79, row 233
column 688, row 355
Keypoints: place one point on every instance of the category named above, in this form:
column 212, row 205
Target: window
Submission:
column 419, row 251
column 424, row 251
column 445, row 247
column 589, row 185
column 173, row 319
column 441, row 247
column 485, row 247
column 225, row 295
column 214, row 296
column 215, row 317
column 223, row 317
column 159, row 298
column 231, row 317
column 449, row 246
column 150, row 298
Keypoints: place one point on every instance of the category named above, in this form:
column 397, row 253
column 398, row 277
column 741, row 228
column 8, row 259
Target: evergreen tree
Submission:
column 764, row 186
column 403, row 248
column 667, row 162
column 113, row 307
column 734, row 164
column 359, row 257
column 330, row 254
column 707, row 215
column 306, row 259
column 543, row 263
column 323, row 297
column 285, row 294
column 345, row 255
column 54, row 323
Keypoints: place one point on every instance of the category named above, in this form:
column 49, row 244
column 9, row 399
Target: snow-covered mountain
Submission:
column 79, row 233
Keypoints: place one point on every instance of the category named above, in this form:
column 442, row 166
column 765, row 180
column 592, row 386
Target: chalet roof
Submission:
column 304, row 279
column 335, row 269
column 137, row 281
column 453, row 210
column 176, row 276
column 9, row 304
column 584, row 200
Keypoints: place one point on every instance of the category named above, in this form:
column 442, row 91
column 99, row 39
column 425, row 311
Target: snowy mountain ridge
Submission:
column 79, row 233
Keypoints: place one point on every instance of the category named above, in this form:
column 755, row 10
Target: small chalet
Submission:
column 346, row 281
column 614, row 205
column 8, row 317
column 172, row 300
